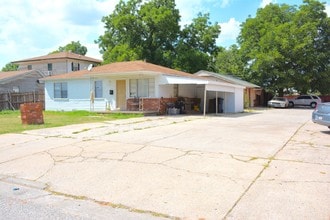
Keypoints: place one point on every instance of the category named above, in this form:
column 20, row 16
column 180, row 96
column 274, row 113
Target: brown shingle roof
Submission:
column 60, row 55
column 13, row 74
column 129, row 67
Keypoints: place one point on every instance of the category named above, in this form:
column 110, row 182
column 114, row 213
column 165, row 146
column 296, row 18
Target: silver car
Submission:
column 278, row 102
column 305, row 100
column 321, row 115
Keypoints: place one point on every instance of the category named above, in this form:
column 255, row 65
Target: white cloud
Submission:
column 190, row 8
column 229, row 32
column 37, row 27
column 225, row 3
column 327, row 9
column 264, row 3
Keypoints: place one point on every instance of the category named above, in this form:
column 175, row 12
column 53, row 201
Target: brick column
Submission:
column 31, row 113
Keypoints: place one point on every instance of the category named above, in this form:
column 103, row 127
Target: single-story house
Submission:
column 140, row 86
column 252, row 92
column 21, row 81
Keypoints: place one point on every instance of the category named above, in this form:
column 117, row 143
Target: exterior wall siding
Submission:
column 187, row 91
column 78, row 99
column 28, row 83
column 166, row 91
column 58, row 66
column 239, row 100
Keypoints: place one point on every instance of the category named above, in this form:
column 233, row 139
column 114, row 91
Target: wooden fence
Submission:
column 12, row 101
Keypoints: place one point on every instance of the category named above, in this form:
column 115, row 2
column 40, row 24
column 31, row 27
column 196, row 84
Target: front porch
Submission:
column 163, row 106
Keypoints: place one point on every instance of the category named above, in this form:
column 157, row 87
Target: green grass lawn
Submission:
column 10, row 121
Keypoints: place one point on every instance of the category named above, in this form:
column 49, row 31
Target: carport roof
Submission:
column 168, row 79
column 227, row 78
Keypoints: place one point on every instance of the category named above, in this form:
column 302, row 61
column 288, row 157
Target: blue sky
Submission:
column 32, row 28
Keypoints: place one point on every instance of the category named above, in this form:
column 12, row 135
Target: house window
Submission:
column 29, row 67
column 50, row 66
column 139, row 87
column 61, row 90
column 98, row 89
column 75, row 66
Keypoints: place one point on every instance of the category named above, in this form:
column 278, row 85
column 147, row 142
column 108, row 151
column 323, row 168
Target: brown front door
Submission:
column 121, row 94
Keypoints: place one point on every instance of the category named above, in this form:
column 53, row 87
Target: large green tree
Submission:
column 287, row 48
column 312, row 49
column 261, row 41
column 150, row 30
column 9, row 67
column 196, row 48
column 140, row 31
column 74, row 47
column 229, row 61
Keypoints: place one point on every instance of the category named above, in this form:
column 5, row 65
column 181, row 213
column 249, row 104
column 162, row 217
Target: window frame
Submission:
column 75, row 66
column 62, row 92
column 139, row 88
column 98, row 89
column 50, row 67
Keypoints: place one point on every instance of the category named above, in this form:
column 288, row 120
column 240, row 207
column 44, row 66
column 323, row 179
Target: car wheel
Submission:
column 313, row 104
column 291, row 105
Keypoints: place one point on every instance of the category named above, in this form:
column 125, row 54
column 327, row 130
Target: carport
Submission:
column 231, row 94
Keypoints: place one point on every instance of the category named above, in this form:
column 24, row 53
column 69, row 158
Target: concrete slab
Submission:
column 285, row 190
column 263, row 164
column 19, row 201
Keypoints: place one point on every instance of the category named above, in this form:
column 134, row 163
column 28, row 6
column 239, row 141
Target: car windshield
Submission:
column 324, row 108
column 279, row 99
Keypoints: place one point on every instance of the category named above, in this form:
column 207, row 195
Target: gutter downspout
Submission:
column 204, row 110
column 216, row 103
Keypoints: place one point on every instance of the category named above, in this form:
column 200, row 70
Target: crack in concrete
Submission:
column 126, row 154
column 200, row 173
column 263, row 170
column 113, row 205
column 301, row 161
column 294, row 181
column 122, row 128
column 49, row 169
column 246, row 161
column 175, row 158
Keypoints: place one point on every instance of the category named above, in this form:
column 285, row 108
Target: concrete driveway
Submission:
column 265, row 164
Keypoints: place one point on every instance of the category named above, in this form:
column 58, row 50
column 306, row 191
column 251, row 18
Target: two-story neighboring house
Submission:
column 57, row 63
column 26, row 78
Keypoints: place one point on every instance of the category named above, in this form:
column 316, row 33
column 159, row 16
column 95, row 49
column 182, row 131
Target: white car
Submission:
column 305, row 100
column 278, row 102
